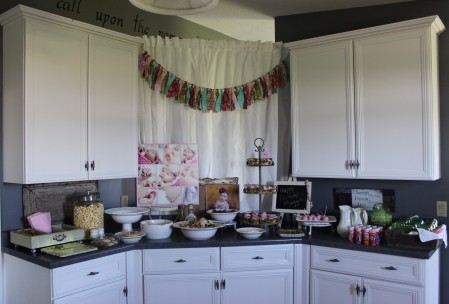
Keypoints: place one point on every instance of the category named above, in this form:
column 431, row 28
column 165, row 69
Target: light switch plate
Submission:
column 124, row 200
column 442, row 208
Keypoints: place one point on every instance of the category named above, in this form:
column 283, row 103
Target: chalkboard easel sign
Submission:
column 292, row 197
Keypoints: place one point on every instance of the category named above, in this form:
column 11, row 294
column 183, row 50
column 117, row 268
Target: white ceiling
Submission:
column 254, row 19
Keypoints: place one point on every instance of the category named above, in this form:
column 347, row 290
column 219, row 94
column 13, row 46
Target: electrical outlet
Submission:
column 442, row 208
column 124, row 200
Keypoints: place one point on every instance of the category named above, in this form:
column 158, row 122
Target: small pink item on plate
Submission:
column 40, row 221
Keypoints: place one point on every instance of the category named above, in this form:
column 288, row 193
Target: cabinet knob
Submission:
column 257, row 258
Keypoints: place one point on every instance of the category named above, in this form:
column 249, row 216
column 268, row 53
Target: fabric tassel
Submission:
column 203, row 99
column 168, row 79
column 268, row 80
column 182, row 91
column 219, row 101
column 240, row 97
column 173, row 88
column 187, row 100
column 211, row 99
column 159, row 80
column 234, row 98
column 264, row 87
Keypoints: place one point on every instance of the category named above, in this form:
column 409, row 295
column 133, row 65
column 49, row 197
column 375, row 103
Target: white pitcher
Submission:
column 345, row 220
column 359, row 216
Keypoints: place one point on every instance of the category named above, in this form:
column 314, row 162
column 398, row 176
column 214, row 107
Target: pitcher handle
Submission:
column 364, row 216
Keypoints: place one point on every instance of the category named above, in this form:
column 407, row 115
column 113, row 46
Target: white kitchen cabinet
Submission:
column 363, row 277
column 101, row 280
column 365, row 103
column 257, row 274
column 70, row 99
column 262, row 274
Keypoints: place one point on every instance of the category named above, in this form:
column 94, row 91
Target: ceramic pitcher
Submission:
column 345, row 220
column 359, row 217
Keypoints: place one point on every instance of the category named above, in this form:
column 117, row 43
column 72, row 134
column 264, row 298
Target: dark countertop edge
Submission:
column 222, row 239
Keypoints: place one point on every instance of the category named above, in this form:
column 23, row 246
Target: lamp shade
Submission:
column 175, row 7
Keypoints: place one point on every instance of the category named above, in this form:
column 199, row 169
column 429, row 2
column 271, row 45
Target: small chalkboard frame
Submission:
column 303, row 186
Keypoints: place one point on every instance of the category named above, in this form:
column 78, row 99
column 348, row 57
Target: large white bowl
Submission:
column 126, row 215
column 250, row 233
column 198, row 234
column 157, row 229
column 223, row 215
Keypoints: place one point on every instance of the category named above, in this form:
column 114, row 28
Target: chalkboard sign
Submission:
column 292, row 197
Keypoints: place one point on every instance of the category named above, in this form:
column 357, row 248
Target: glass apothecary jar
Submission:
column 88, row 213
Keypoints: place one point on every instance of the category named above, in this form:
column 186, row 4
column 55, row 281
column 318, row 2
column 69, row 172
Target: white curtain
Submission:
column 225, row 139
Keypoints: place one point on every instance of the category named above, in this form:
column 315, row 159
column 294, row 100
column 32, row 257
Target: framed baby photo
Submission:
column 222, row 196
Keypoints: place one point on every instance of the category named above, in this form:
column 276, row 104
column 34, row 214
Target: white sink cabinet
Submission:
column 370, row 278
column 365, row 103
column 70, row 99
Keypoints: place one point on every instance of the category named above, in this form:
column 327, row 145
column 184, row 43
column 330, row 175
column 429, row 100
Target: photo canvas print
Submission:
column 222, row 196
column 167, row 174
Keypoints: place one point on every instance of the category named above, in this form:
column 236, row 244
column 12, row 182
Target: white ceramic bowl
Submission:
column 157, row 229
column 250, row 233
column 223, row 215
column 130, row 237
column 126, row 215
column 198, row 234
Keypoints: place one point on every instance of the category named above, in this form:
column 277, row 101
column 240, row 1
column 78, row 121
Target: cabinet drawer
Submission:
column 181, row 260
column 85, row 275
column 256, row 257
column 366, row 264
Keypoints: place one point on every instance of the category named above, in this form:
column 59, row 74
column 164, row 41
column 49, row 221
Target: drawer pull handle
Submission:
column 258, row 258
column 180, row 261
column 223, row 284
column 92, row 273
column 357, row 289
column 390, row 268
column 217, row 286
column 334, row 260
column 59, row 237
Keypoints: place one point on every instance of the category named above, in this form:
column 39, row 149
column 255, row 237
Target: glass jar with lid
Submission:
column 88, row 213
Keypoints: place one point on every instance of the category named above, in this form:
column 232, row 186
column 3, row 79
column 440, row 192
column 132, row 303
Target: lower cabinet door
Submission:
column 203, row 288
column 391, row 293
column 259, row 287
column 329, row 287
column 113, row 293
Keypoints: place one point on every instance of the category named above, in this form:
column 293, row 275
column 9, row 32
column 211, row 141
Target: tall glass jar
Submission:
column 88, row 213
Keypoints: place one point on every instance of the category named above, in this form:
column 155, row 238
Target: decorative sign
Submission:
column 168, row 174
column 364, row 198
column 292, row 197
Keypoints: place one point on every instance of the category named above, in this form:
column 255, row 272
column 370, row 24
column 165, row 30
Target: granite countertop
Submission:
column 224, row 238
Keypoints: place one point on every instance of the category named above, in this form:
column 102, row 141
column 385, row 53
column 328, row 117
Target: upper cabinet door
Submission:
column 365, row 103
column 55, row 103
column 112, row 137
column 322, row 110
column 397, row 108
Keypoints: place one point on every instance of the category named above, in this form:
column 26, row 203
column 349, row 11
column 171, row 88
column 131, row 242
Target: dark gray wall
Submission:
column 412, row 197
